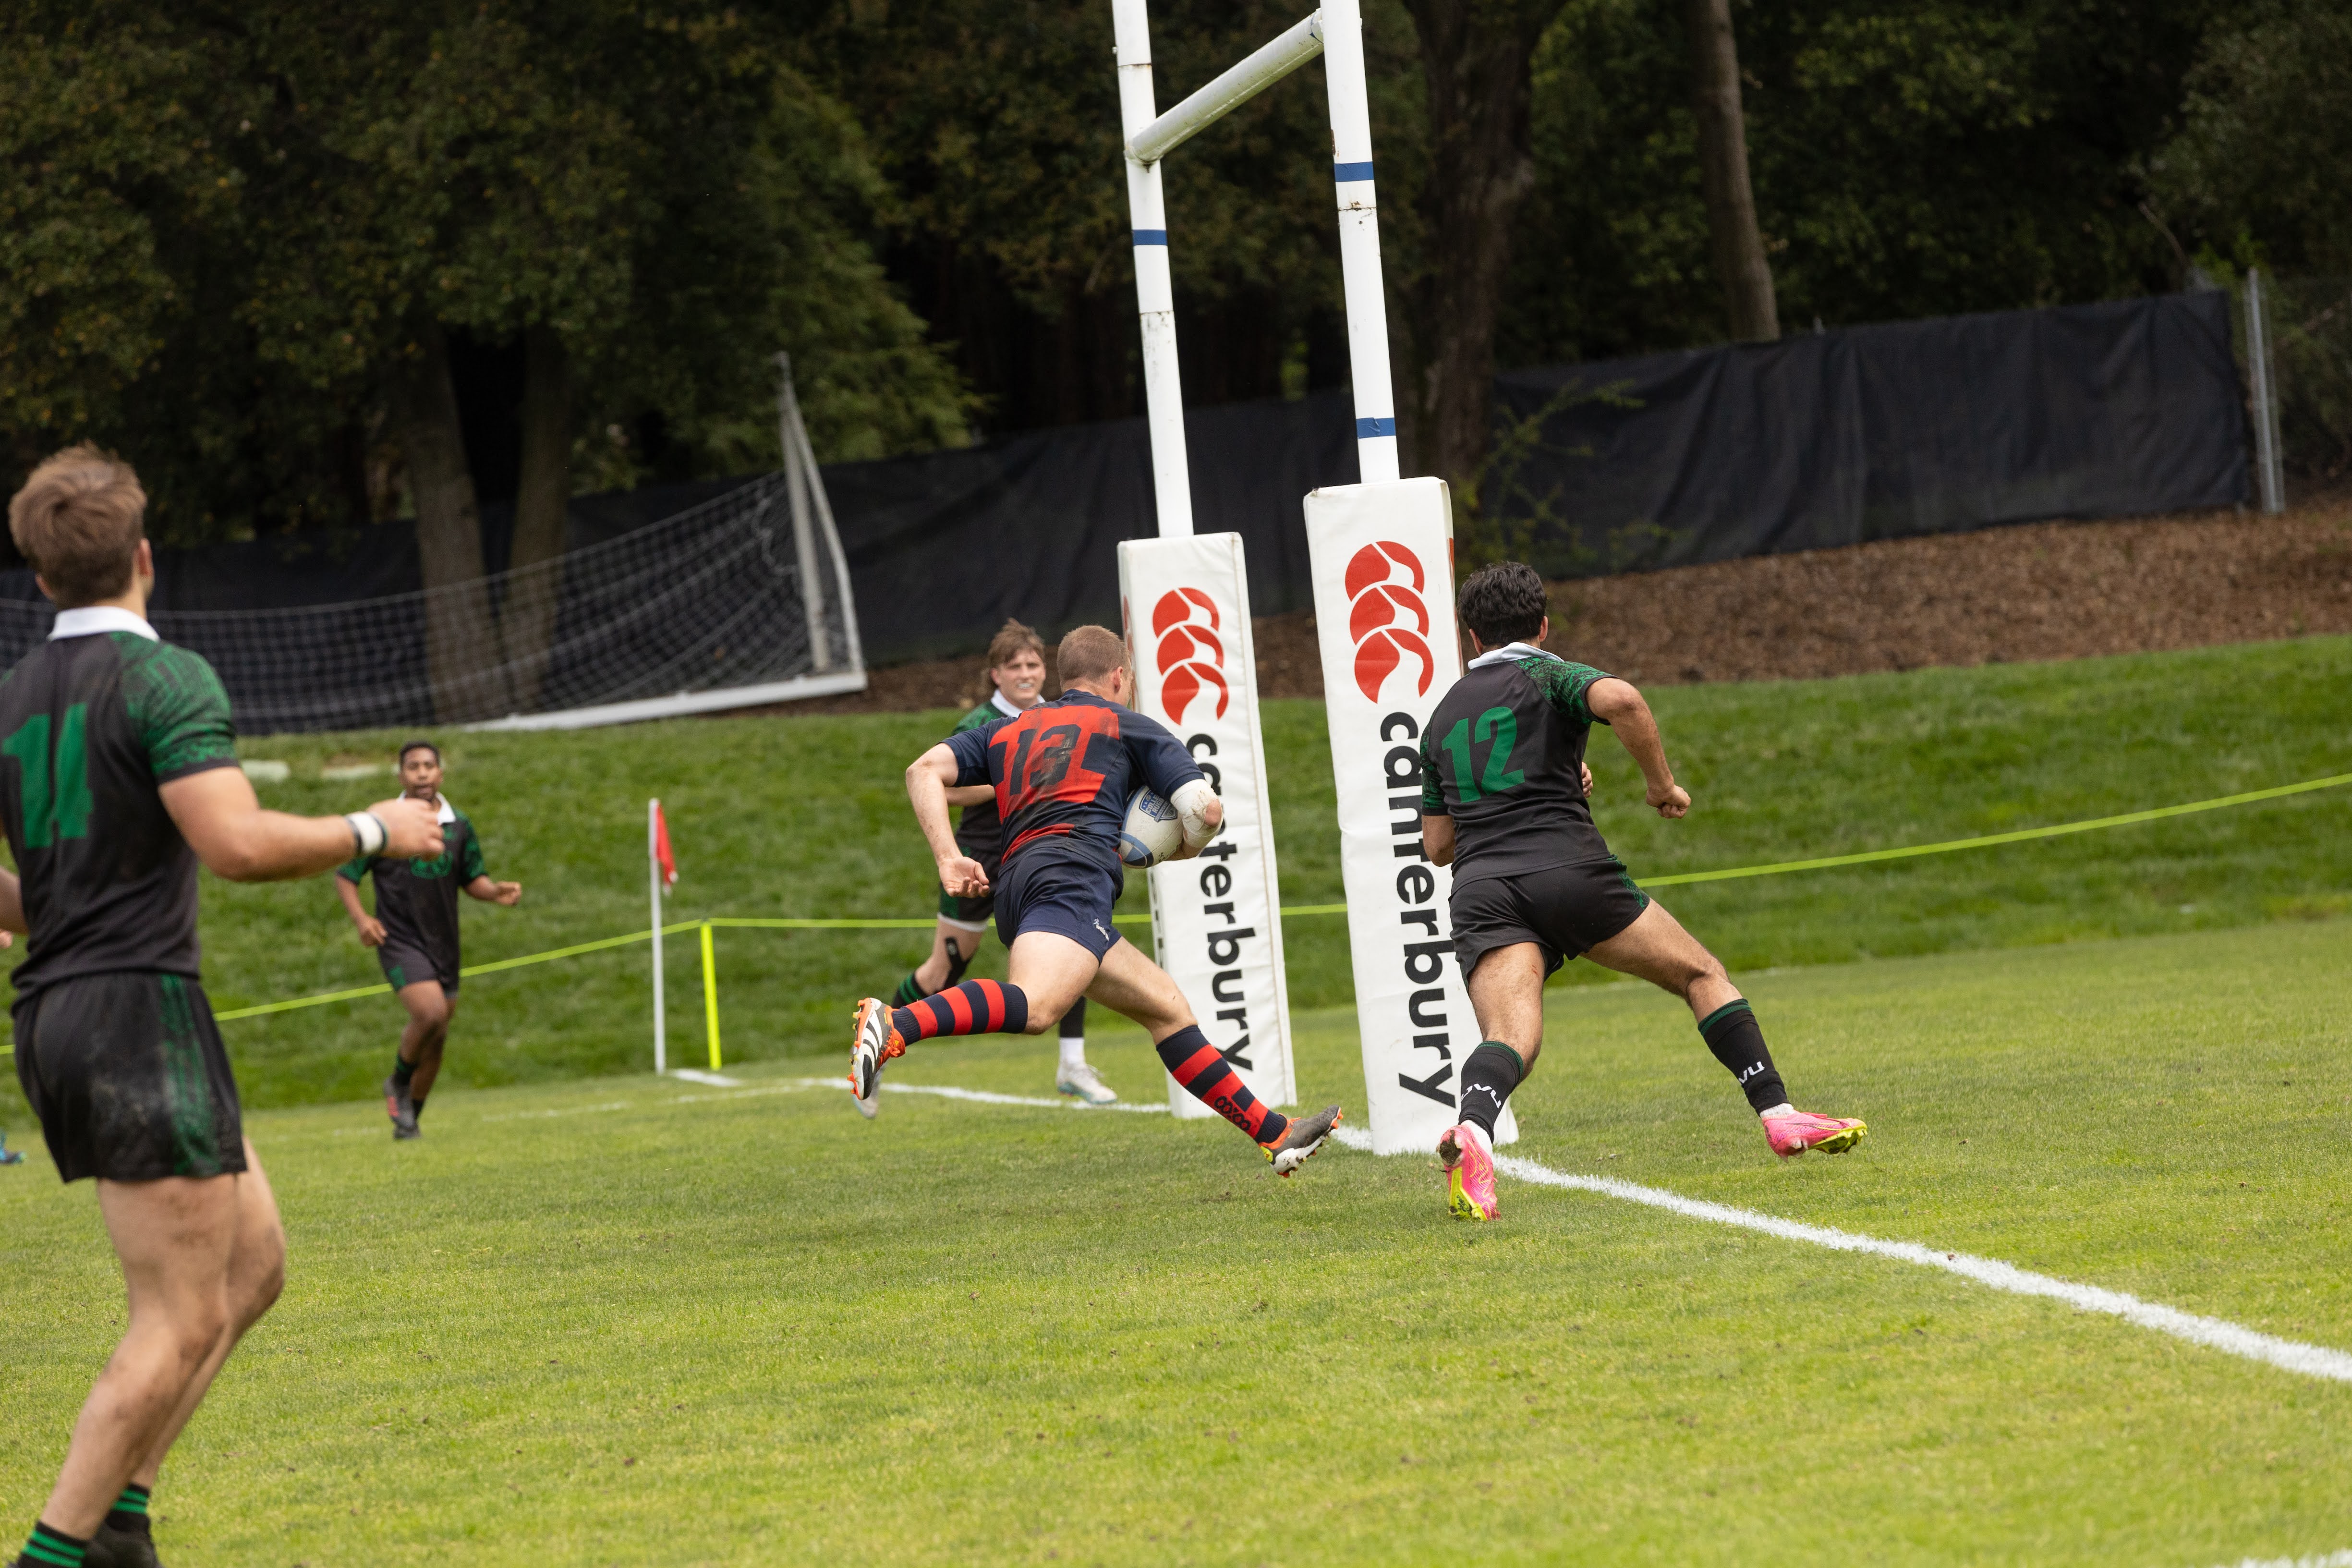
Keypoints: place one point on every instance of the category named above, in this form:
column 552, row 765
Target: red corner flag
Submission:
column 661, row 848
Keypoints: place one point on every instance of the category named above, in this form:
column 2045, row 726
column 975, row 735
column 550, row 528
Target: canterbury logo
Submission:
column 1190, row 654
column 1387, row 619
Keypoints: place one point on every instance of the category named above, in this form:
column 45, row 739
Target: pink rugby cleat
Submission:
column 1469, row 1172
column 1792, row 1133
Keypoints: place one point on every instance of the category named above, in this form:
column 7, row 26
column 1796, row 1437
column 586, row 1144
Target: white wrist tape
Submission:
column 1192, row 803
column 368, row 831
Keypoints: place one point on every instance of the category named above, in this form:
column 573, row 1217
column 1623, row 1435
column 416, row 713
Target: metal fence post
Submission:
column 2258, row 367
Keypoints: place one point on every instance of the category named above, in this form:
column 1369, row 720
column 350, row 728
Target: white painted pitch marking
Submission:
column 565, row 1111
column 2216, row 1333
column 2332, row 1560
column 715, row 1080
column 983, row 1097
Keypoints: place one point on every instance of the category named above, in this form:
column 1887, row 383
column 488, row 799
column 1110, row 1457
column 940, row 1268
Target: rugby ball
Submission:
column 1153, row 832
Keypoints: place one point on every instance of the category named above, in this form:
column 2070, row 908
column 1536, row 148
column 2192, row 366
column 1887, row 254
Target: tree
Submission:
column 1736, row 242
column 1478, row 62
column 2257, row 171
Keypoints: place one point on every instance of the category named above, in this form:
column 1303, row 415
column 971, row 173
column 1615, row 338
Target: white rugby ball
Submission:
column 1153, row 832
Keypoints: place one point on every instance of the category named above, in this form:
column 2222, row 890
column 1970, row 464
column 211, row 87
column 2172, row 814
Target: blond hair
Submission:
column 79, row 519
column 1011, row 638
column 1090, row 653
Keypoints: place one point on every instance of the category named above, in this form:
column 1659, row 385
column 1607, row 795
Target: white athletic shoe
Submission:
column 1082, row 1082
column 876, row 1042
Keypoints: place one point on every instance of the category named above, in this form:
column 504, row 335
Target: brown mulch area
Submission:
column 2042, row 590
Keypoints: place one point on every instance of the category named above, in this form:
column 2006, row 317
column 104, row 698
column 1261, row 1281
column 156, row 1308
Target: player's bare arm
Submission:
column 223, row 821
column 972, row 795
column 1619, row 704
column 506, row 895
column 371, row 929
column 928, row 779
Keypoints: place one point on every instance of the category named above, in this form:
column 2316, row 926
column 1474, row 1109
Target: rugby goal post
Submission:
column 1381, row 553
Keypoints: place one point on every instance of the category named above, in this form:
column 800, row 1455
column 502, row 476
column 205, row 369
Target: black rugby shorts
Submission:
column 1564, row 910
column 126, row 1074
column 405, row 965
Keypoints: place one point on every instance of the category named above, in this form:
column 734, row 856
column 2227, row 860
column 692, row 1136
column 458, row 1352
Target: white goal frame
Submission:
column 1337, row 33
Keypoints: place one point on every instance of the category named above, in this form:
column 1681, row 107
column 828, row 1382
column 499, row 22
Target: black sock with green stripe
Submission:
column 129, row 1514
column 1735, row 1037
column 53, row 1548
column 402, row 1071
column 910, row 991
column 416, row 1108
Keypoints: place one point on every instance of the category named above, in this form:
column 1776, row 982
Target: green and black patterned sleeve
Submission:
column 1566, row 687
column 1432, row 789
column 470, row 864
column 177, row 706
column 357, row 871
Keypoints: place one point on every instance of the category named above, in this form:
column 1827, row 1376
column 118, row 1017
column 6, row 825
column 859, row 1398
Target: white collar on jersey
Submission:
column 1003, row 707
column 92, row 619
column 445, row 813
column 1514, row 650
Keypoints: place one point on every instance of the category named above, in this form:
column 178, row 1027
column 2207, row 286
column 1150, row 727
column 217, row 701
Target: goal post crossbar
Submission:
column 1269, row 64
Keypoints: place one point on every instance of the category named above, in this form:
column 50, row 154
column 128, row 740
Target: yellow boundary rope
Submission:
column 751, row 922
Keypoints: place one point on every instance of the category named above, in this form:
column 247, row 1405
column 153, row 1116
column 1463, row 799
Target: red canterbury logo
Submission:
column 1387, row 619
column 1189, row 653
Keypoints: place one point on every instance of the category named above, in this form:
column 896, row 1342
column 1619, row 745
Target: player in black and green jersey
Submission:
column 1505, row 802
column 415, row 931
column 118, row 774
column 1016, row 668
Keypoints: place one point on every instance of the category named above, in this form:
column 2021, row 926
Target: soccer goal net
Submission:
column 744, row 599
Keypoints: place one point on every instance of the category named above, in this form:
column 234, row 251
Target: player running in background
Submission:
column 1063, row 773
column 1016, row 667
column 415, row 931
column 1504, row 802
column 118, row 774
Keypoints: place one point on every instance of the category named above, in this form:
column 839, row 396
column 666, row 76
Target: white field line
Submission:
column 2332, row 1560
column 564, row 1110
column 983, row 1097
column 2216, row 1333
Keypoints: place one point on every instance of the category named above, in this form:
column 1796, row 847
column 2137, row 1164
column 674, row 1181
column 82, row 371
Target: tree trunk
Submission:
column 460, row 643
column 1478, row 60
column 534, row 586
column 1737, row 243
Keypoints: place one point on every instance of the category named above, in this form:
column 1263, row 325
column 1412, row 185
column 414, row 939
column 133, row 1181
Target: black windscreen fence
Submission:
column 2120, row 409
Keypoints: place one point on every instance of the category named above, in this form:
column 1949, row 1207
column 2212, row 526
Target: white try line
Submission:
column 2332, row 1560
column 983, row 1097
column 2216, row 1333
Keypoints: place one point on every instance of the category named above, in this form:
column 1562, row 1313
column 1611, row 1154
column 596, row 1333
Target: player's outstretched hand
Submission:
column 508, row 894
column 962, row 877
column 371, row 932
column 1674, row 802
column 1586, row 768
column 411, row 828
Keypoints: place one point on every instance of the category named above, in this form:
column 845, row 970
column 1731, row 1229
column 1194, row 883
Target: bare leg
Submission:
column 1655, row 948
column 1133, row 986
column 429, row 1010
column 1507, row 993
column 176, row 1238
column 932, row 975
column 256, row 1273
column 1052, row 971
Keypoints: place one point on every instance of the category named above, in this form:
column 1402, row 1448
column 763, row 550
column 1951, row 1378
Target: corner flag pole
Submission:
column 654, row 870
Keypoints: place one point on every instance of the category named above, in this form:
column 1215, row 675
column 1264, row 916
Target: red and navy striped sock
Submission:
column 971, row 1007
column 1204, row 1071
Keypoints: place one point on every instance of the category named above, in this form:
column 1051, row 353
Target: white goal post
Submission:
column 1382, row 554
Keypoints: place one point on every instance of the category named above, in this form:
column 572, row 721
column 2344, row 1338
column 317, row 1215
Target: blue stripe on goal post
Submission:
column 1372, row 429
column 1349, row 174
column 1150, row 236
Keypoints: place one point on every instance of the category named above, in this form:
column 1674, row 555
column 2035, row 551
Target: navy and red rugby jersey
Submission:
column 1064, row 770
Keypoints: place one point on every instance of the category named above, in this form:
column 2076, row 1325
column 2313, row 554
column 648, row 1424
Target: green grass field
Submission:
column 806, row 818
column 626, row 1322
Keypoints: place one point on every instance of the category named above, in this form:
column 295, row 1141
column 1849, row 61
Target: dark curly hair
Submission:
column 1504, row 603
